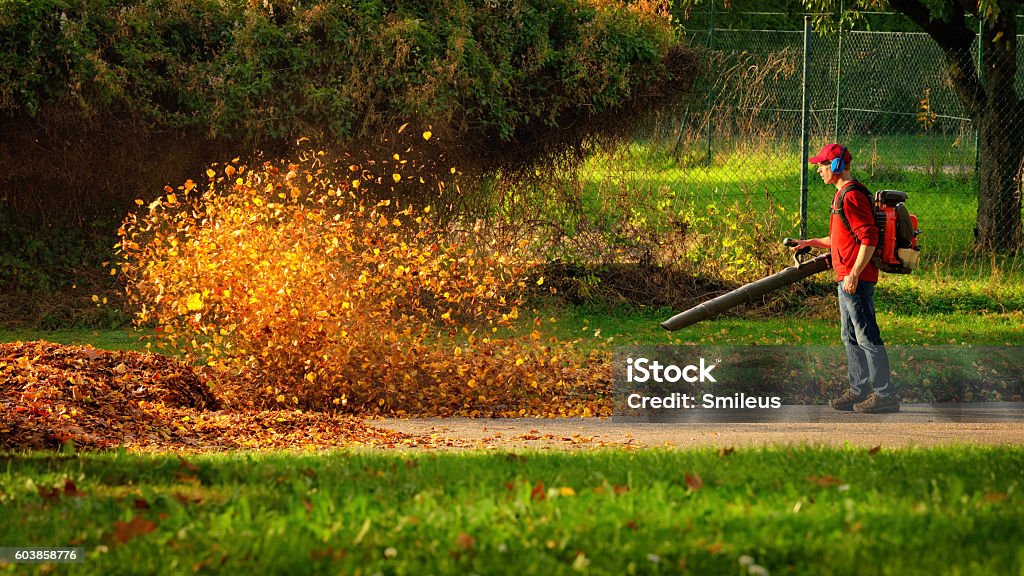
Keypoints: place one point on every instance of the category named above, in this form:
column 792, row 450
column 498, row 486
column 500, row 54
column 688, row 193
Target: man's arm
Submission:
column 825, row 243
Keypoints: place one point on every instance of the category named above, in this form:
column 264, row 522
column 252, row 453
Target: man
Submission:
column 852, row 238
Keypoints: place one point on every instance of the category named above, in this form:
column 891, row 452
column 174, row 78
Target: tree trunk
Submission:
column 1000, row 123
column 999, row 178
column 990, row 98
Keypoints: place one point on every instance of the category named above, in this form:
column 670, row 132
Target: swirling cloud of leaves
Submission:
column 301, row 291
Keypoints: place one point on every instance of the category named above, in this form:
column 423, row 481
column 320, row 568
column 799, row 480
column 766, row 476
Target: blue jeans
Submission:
column 865, row 351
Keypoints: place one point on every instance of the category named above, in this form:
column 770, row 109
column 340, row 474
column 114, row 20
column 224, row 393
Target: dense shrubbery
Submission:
column 275, row 69
column 303, row 292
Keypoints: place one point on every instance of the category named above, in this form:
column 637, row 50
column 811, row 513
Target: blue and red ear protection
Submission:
column 839, row 164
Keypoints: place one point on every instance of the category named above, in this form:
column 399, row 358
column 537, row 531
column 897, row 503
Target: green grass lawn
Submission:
column 953, row 510
column 935, row 170
column 643, row 328
column 116, row 339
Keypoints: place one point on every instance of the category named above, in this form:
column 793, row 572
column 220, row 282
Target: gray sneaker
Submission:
column 876, row 404
column 846, row 401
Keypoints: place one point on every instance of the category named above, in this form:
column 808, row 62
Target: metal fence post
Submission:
column 711, row 46
column 839, row 72
column 804, row 124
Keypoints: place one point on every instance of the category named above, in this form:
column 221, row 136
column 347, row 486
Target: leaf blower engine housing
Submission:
column 897, row 252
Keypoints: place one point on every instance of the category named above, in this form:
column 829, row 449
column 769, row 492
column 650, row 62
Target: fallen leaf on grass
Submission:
column 996, row 497
column 328, row 553
column 187, row 465
column 465, row 541
column 49, row 493
column 824, row 481
column 71, row 490
column 538, row 492
column 137, row 526
column 183, row 478
column 186, row 499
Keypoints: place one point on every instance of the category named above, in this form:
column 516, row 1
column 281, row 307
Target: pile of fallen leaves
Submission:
column 53, row 394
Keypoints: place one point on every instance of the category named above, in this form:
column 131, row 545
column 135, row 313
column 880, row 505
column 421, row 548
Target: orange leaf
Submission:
column 465, row 541
column 71, row 490
column 187, row 465
column 125, row 531
column 996, row 497
column 824, row 481
column 49, row 493
column 538, row 492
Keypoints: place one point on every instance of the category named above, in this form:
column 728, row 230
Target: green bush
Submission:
column 261, row 71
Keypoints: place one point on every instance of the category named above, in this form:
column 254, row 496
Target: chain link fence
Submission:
column 726, row 173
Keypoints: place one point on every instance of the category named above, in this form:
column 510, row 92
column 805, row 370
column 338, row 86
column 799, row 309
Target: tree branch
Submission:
column 969, row 6
column 951, row 34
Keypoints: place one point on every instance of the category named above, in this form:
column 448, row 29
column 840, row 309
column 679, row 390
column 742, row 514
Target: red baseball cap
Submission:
column 830, row 152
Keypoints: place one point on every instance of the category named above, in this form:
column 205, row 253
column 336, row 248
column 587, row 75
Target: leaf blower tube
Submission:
column 800, row 270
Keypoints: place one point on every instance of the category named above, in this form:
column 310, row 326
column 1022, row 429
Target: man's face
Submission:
column 825, row 171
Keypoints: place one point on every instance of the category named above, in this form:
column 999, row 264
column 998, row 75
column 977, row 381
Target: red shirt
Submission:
column 860, row 212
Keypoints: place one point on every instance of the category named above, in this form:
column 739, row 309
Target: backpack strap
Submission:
column 854, row 185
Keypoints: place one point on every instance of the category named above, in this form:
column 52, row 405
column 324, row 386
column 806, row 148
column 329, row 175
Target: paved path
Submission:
column 915, row 425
